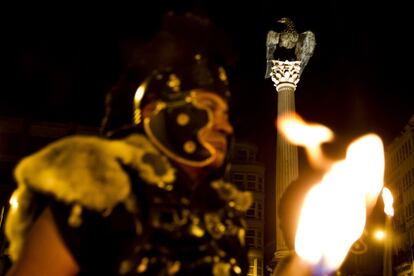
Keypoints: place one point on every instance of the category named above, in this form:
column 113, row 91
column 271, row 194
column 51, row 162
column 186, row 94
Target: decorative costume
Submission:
column 122, row 208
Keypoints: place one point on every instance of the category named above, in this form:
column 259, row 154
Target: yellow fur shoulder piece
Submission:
column 89, row 170
column 83, row 171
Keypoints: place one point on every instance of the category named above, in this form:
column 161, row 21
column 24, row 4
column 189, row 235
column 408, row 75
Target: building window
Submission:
column 259, row 267
column 255, row 211
column 252, row 157
column 254, row 238
column 250, row 238
column 238, row 180
column 251, row 177
column 251, row 186
column 254, row 182
column 251, row 181
column 251, row 212
column 255, row 266
column 238, row 176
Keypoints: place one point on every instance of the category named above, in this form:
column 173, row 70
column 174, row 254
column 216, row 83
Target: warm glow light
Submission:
column 309, row 135
column 139, row 94
column 379, row 235
column 388, row 201
column 13, row 202
column 333, row 215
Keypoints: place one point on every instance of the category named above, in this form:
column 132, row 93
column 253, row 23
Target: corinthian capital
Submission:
column 285, row 73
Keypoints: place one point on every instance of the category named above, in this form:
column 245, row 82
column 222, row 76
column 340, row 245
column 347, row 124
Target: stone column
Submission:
column 285, row 75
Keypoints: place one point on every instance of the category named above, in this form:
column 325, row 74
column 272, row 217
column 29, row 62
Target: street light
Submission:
column 379, row 235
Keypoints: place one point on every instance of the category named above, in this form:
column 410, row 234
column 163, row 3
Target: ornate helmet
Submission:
column 170, row 68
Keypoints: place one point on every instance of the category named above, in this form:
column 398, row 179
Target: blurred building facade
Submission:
column 248, row 174
column 399, row 175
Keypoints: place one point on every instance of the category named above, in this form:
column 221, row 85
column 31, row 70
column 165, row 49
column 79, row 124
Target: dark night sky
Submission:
column 58, row 62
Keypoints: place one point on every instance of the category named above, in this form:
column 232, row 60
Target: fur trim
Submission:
column 86, row 171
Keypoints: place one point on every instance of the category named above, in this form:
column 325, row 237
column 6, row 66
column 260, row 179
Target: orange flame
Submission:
column 333, row 215
column 388, row 201
column 295, row 129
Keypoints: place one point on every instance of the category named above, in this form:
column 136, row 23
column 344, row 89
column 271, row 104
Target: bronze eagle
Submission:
column 302, row 44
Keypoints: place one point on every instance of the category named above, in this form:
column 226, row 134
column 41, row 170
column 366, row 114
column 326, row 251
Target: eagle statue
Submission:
column 300, row 45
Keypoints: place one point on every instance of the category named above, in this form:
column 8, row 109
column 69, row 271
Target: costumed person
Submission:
column 149, row 197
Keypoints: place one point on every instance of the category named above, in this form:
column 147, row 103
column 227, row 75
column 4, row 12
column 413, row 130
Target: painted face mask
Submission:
column 188, row 118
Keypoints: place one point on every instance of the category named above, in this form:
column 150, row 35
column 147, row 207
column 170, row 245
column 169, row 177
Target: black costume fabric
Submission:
column 169, row 243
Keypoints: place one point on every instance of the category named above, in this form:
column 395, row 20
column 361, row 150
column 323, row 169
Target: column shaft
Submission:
column 286, row 163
